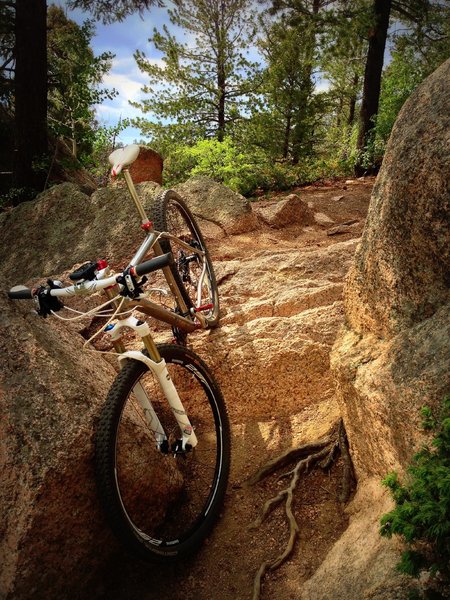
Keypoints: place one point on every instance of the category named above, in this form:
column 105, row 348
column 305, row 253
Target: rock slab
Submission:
column 219, row 205
column 392, row 355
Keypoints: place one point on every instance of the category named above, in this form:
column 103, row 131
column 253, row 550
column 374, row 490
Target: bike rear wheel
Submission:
column 193, row 274
column 160, row 503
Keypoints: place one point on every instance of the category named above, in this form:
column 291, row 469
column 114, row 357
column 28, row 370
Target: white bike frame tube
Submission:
column 162, row 374
column 143, row 249
column 85, row 288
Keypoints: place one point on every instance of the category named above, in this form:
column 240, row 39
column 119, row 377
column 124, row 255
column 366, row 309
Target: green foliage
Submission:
column 402, row 75
column 15, row 196
column 287, row 131
column 246, row 170
column 75, row 75
column 200, row 87
column 285, row 119
column 220, row 161
column 422, row 512
column 113, row 10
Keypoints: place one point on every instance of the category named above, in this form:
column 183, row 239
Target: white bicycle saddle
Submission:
column 122, row 157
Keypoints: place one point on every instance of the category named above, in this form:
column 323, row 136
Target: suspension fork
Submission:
column 158, row 366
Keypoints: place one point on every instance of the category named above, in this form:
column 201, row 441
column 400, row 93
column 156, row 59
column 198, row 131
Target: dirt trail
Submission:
column 225, row 567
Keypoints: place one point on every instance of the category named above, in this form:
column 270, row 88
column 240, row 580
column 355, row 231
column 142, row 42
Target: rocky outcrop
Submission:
column 51, row 527
column 217, row 204
column 63, row 227
column 290, row 210
column 392, row 355
column 281, row 312
column 401, row 274
column 147, row 167
column 360, row 565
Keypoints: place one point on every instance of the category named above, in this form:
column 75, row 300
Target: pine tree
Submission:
column 285, row 121
column 113, row 10
column 75, row 75
column 203, row 84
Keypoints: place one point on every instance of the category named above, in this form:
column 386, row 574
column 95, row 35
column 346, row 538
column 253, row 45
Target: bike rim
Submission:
column 165, row 498
column 190, row 273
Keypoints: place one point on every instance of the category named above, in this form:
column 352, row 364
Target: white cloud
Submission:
column 126, row 78
column 127, row 87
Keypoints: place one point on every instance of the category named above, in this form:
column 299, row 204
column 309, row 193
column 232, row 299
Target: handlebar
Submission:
column 21, row 292
column 159, row 262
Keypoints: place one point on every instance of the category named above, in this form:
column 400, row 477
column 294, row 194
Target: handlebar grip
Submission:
column 159, row 262
column 20, row 292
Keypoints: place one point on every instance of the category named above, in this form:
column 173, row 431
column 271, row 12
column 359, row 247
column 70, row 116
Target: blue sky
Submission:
column 123, row 39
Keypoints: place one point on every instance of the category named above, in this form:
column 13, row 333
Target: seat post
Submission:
column 133, row 193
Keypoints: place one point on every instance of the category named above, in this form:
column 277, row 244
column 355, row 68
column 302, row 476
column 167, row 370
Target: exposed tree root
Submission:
column 321, row 453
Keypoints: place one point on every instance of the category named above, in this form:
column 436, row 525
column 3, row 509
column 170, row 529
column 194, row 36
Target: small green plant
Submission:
column 422, row 512
column 15, row 196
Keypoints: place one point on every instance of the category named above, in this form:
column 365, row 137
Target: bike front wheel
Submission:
column 193, row 274
column 162, row 502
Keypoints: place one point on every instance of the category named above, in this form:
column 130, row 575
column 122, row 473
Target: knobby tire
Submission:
column 162, row 506
column 171, row 214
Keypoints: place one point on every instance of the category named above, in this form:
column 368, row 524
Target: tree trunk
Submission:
column 221, row 108
column 352, row 103
column 30, row 92
column 372, row 75
column 287, row 135
column 74, row 140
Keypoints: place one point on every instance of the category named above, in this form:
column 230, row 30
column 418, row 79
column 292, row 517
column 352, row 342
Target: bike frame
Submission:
column 186, row 320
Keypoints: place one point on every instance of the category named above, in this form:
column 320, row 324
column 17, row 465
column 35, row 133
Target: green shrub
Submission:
column 422, row 512
column 221, row 161
column 248, row 170
column 15, row 196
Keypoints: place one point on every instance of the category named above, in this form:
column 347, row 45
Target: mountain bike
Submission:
column 162, row 442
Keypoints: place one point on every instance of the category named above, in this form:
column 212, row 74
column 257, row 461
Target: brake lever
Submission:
column 47, row 303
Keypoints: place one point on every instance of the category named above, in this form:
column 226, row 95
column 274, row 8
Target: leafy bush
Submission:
column 15, row 196
column 422, row 512
column 243, row 170
column 338, row 150
column 221, row 161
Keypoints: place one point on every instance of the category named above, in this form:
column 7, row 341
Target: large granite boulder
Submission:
column 147, row 167
column 52, row 532
column 392, row 355
column 64, row 226
column 217, row 204
column 401, row 273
